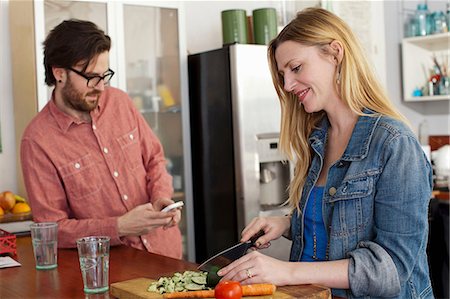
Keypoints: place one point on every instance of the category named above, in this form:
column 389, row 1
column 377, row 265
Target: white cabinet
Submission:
column 148, row 55
column 417, row 61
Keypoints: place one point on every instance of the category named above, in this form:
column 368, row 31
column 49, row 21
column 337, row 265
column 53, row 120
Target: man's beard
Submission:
column 76, row 100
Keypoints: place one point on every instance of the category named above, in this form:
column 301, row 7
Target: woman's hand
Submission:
column 273, row 227
column 256, row 267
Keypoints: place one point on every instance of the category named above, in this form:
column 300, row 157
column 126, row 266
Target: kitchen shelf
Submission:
column 428, row 98
column 417, row 54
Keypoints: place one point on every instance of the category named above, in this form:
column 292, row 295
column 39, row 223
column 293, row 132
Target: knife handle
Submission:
column 256, row 237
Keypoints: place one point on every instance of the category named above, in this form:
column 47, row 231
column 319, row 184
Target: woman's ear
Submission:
column 337, row 50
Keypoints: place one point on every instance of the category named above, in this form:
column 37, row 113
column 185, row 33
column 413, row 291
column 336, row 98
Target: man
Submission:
column 89, row 159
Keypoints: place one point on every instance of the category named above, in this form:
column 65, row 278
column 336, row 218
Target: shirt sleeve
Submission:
column 381, row 266
column 159, row 181
column 49, row 202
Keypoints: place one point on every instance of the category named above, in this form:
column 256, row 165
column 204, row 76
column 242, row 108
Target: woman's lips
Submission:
column 302, row 94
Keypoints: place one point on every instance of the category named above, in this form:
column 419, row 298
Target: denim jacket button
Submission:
column 332, row 191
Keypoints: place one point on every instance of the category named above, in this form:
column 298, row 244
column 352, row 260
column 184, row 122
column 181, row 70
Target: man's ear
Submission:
column 337, row 50
column 59, row 73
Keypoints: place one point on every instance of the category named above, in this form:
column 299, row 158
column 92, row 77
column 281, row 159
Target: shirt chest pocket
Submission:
column 129, row 144
column 81, row 177
column 352, row 206
column 352, row 189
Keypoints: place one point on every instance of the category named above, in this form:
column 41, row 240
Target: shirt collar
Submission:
column 358, row 146
column 65, row 120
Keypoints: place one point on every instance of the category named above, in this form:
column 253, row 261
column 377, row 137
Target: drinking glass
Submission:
column 44, row 236
column 93, row 253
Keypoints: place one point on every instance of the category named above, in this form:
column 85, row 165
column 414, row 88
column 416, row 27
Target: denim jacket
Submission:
column 374, row 208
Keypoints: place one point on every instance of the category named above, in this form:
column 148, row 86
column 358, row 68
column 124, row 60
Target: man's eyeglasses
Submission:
column 93, row 80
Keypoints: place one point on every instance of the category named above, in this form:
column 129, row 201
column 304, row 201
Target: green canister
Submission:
column 264, row 25
column 234, row 26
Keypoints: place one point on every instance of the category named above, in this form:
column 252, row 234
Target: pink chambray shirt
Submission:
column 85, row 175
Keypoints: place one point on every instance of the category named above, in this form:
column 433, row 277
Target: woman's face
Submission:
column 308, row 74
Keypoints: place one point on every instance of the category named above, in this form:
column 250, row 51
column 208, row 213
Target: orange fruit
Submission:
column 7, row 200
column 1, row 211
column 21, row 207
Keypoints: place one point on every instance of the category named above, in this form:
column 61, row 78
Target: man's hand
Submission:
column 144, row 218
column 161, row 203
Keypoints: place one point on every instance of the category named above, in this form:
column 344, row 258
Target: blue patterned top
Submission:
column 314, row 225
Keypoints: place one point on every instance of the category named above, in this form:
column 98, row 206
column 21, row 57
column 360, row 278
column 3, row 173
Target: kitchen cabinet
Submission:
column 417, row 61
column 150, row 64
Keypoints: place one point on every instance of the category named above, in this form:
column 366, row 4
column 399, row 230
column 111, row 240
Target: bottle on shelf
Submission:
column 412, row 27
column 439, row 22
column 448, row 16
column 422, row 19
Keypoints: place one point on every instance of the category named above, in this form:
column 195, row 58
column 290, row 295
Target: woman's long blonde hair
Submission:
column 359, row 88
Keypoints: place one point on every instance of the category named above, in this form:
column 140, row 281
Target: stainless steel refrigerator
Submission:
column 238, row 172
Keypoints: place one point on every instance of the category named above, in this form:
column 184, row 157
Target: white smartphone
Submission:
column 175, row 205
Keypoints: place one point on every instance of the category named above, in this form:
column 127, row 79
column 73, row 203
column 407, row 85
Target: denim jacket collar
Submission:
column 358, row 146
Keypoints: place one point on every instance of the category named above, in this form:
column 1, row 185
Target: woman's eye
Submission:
column 297, row 68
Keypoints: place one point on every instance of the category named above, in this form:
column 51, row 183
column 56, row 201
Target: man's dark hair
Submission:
column 73, row 42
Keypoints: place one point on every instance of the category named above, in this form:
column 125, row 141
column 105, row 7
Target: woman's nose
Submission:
column 289, row 84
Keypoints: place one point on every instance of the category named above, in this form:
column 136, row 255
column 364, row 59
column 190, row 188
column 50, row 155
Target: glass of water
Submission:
column 93, row 253
column 44, row 236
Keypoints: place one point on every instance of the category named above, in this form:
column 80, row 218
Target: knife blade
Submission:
column 229, row 255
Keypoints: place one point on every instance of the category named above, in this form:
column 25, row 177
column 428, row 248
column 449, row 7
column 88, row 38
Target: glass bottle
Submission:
column 411, row 28
column 440, row 22
column 448, row 16
column 421, row 17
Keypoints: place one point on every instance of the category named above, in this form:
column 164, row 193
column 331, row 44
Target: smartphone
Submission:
column 175, row 205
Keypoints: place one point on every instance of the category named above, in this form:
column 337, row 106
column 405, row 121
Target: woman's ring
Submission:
column 249, row 274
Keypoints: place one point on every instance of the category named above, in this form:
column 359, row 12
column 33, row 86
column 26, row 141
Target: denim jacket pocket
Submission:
column 80, row 177
column 129, row 144
column 352, row 206
column 354, row 188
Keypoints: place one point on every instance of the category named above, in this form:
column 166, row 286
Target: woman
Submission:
column 362, row 183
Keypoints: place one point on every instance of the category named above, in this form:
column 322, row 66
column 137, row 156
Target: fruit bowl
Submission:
column 10, row 217
column 13, row 207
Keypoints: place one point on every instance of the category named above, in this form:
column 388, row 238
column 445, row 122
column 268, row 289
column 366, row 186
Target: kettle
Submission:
column 441, row 159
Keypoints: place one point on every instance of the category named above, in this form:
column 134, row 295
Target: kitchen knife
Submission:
column 229, row 255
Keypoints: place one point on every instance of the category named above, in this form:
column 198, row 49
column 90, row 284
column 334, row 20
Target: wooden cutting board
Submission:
column 137, row 289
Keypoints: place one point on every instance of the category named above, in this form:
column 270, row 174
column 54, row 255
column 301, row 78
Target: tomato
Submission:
column 228, row 290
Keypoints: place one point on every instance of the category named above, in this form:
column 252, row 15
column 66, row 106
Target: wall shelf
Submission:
column 428, row 98
column 417, row 60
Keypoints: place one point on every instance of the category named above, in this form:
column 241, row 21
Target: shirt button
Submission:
column 131, row 136
column 145, row 241
column 94, row 127
column 105, row 150
column 332, row 191
column 77, row 165
column 125, row 197
column 115, row 174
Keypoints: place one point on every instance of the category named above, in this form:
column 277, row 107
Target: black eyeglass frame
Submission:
column 109, row 73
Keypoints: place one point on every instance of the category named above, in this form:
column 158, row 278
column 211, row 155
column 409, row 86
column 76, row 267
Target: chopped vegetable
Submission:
column 258, row 289
column 188, row 281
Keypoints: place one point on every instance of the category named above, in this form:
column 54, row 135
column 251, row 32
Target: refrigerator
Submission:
column 238, row 172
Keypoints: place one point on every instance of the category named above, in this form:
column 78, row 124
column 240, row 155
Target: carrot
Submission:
column 190, row 294
column 258, row 289
column 247, row 290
